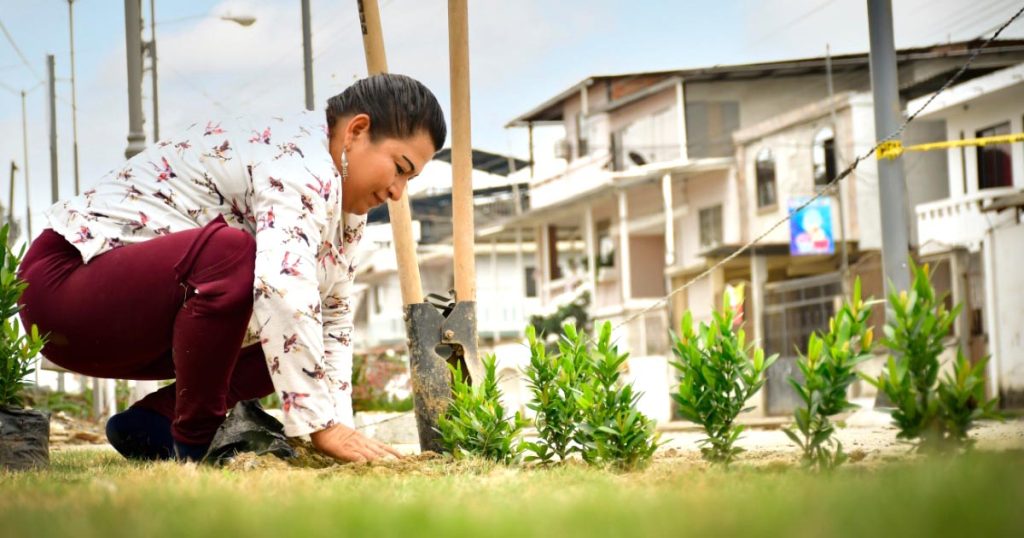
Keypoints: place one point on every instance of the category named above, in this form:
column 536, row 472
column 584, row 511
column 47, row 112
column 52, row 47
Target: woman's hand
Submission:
column 343, row 443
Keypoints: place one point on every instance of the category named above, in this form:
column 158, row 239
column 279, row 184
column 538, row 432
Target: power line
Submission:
column 780, row 28
column 24, row 60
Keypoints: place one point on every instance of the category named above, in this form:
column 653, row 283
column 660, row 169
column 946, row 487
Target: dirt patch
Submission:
column 308, row 457
column 68, row 430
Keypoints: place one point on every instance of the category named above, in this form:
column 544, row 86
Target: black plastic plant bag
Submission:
column 248, row 428
column 24, row 439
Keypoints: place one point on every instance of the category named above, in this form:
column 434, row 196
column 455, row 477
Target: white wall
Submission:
column 985, row 111
column 1008, row 348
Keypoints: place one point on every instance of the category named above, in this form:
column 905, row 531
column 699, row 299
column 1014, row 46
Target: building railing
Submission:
column 958, row 221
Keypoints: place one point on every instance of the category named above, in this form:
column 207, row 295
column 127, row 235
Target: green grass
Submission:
column 97, row 494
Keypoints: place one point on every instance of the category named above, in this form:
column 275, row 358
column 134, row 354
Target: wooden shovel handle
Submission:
column 400, row 214
column 463, row 232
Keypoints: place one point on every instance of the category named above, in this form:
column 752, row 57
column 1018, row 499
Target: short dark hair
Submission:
column 399, row 106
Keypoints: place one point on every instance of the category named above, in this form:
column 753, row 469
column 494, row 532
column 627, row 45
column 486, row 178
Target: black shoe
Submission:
column 186, row 452
column 141, row 434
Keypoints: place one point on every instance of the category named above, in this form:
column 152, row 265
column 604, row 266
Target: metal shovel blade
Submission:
column 435, row 341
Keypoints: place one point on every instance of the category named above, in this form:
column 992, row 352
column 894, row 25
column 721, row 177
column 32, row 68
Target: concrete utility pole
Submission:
column 24, row 143
column 844, row 256
column 74, row 94
column 892, row 186
column 52, row 103
column 307, row 54
column 133, row 42
column 10, row 200
column 151, row 47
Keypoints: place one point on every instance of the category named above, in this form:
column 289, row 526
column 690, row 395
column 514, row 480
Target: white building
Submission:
column 661, row 183
column 974, row 232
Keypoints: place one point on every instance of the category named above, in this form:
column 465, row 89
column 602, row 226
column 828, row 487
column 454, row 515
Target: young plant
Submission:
column 555, row 381
column 828, row 370
column 16, row 350
column 613, row 430
column 936, row 413
column 718, row 374
column 475, row 422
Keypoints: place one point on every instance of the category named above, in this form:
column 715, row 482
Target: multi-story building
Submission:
column 973, row 233
column 669, row 172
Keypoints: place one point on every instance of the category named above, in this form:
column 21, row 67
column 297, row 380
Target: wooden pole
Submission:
column 462, row 153
column 399, row 212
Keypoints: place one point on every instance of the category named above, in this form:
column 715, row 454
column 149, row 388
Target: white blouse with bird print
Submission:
column 276, row 180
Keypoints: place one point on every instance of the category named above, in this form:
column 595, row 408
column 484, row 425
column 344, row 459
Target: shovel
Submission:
column 444, row 334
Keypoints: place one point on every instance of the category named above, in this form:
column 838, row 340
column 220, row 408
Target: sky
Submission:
column 522, row 52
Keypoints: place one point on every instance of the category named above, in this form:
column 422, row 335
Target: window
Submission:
column 710, row 226
column 582, row 148
column 823, row 156
column 376, row 299
column 994, row 167
column 764, row 170
column 709, row 127
column 531, row 281
column 605, row 244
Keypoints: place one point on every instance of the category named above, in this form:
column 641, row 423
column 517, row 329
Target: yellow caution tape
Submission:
column 894, row 148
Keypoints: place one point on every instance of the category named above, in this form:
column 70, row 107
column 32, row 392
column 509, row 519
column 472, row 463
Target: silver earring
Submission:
column 344, row 166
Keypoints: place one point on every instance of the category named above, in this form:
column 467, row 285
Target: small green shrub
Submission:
column 614, row 432
column 718, row 374
column 555, row 380
column 17, row 350
column 828, row 370
column 581, row 405
column 475, row 422
column 935, row 414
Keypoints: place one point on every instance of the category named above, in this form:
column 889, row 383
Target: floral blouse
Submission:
column 276, row 180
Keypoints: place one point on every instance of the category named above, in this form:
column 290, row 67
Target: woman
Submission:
column 159, row 271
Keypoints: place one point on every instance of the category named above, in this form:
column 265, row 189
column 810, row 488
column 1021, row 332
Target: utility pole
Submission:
column 24, row 143
column 892, row 186
column 844, row 256
column 51, row 85
column 10, row 202
column 151, row 47
column 307, row 54
column 74, row 95
column 133, row 42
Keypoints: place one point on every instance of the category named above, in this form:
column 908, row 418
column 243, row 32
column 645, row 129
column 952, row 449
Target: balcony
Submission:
column 958, row 222
column 582, row 175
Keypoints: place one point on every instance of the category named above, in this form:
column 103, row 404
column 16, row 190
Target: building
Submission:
column 662, row 181
column 973, row 234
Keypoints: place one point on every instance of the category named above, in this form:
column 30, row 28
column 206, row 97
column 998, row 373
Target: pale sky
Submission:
column 522, row 52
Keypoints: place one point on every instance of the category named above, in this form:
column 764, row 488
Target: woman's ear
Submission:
column 358, row 126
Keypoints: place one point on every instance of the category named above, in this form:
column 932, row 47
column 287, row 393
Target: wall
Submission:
column 648, row 264
column 1009, row 313
column 985, row 111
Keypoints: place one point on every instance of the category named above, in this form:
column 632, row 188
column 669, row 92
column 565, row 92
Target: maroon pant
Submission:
column 175, row 306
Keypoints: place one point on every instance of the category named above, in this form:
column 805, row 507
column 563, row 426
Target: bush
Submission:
column 828, row 370
column 717, row 377
column 555, row 380
column 613, row 432
column 16, row 350
column 475, row 423
column 582, row 407
column 935, row 414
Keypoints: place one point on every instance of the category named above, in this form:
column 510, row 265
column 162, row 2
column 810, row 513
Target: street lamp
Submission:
column 150, row 47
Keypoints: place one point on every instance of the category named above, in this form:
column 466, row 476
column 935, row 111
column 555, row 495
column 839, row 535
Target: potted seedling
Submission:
column 24, row 433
